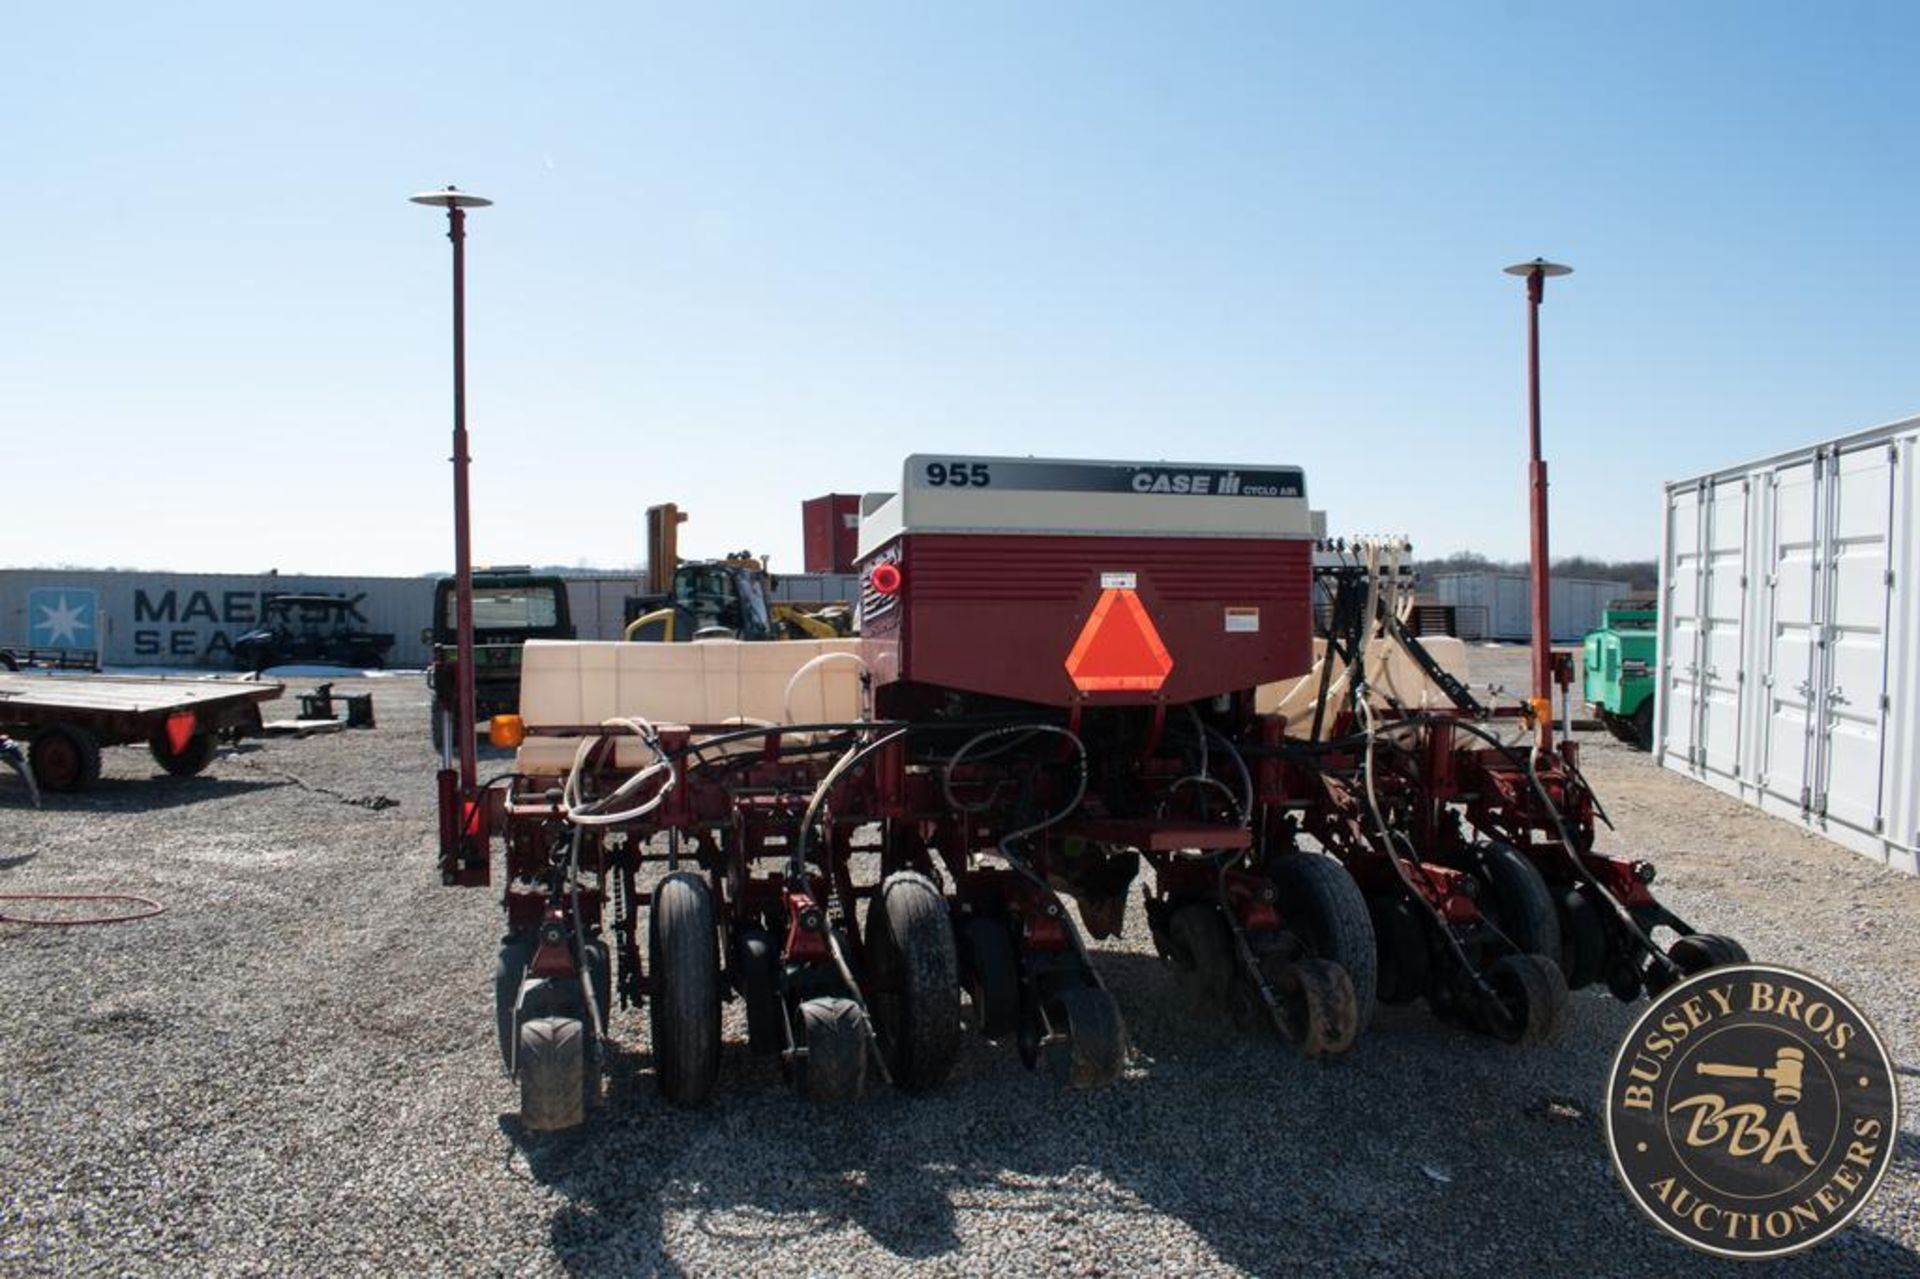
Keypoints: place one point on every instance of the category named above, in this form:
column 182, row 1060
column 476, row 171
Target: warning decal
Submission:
column 1119, row 647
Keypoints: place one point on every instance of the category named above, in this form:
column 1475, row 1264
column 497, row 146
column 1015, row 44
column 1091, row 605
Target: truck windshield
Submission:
column 509, row 608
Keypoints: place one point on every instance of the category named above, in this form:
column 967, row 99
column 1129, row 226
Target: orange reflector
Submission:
column 1119, row 648
column 180, row 726
column 506, row 730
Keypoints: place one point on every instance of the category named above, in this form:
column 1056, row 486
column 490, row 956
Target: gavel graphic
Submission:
column 1788, row 1072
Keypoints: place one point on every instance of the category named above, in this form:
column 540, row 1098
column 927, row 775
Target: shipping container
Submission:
column 163, row 619
column 830, row 527
column 1789, row 655
column 1493, row 605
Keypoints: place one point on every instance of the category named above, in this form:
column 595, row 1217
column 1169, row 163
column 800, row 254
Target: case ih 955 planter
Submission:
column 1070, row 677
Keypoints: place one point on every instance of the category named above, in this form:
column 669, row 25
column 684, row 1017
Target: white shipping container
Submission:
column 1495, row 605
column 1790, row 638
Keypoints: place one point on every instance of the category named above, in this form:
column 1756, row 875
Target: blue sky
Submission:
column 746, row 254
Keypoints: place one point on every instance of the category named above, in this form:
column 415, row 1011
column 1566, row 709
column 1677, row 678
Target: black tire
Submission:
column 554, row 1082
column 8, row 661
column 1323, row 904
column 515, row 955
column 1643, row 725
column 600, row 973
column 65, row 757
column 992, row 976
column 759, row 960
column 915, row 977
column 834, row 1066
column 1583, row 940
column 1405, row 958
column 1318, row 1006
column 1698, row 952
column 1517, row 900
column 683, row 953
column 1200, row 947
column 1532, row 999
column 1619, row 728
column 194, row 759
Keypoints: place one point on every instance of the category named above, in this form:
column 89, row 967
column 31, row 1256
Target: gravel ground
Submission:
column 292, row 1071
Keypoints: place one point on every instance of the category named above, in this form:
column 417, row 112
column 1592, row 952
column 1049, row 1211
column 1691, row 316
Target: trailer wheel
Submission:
column 197, row 755
column 515, row 955
column 1200, row 947
column 1319, row 1010
column 1518, row 900
column 1089, row 1046
column 1643, row 725
column 65, row 757
column 1530, row 998
column 759, row 960
column 1319, row 893
column 915, row 978
column 553, row 1073
column 1698, row 952
column 1583, row 940
column 833, row 1063
column 1405, row 966
column 992, row 974
column 683, row 952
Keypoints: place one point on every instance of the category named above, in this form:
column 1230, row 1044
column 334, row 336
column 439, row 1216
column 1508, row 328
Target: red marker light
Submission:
column 885, row 578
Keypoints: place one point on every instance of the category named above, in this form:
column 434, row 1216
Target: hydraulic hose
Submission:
column 797, row 864
column 1393, row 856
column 152, row 908
column 1525, row 761
column 824, row 659
column 594, row 812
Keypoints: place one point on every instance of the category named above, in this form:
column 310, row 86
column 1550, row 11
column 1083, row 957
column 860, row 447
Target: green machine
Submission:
column 1619, row 661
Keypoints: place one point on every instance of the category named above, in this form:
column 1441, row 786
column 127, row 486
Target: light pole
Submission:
column 1536, row 273
column 456, row 203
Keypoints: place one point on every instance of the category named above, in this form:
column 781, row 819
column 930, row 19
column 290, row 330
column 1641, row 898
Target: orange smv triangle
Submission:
column 1118, row 648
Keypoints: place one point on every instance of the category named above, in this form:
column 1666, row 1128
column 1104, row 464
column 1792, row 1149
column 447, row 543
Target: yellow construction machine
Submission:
column 730, row 598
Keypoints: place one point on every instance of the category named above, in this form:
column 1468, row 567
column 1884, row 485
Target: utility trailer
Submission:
column 66, row 719
column 1072, row 677
column 49, row 659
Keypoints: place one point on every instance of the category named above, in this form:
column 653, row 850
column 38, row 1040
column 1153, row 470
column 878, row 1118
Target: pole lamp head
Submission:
column 1536, row 273
column 451, row 198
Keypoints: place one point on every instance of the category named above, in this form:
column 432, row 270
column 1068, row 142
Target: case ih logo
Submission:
column 1212, row 484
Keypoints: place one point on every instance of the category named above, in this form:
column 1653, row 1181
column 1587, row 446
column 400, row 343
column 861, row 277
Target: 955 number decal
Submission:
column 958, row 475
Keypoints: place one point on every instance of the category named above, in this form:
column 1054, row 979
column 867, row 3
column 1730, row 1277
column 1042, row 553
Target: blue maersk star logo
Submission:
column 60, row 618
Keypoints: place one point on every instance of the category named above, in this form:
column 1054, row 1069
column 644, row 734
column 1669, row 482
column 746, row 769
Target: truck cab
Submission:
column 1619, row 662
column 510, row 607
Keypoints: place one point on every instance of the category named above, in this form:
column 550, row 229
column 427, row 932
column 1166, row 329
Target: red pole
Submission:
column 463, row 725
column 1537, row 511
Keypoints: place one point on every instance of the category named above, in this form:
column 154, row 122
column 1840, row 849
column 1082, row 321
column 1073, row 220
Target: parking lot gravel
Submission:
column 292, row 1071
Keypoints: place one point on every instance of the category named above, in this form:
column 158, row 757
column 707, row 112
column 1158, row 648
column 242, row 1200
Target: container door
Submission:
column 1793, row 624
column 1723, row 595
column 1512, row 613
column 1860, row 510
column 1681, row 711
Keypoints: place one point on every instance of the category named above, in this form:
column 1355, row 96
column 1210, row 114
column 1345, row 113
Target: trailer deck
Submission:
column 66, row 719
